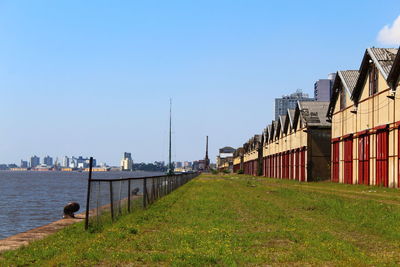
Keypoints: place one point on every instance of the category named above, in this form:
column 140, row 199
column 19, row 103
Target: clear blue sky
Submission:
column 95, row 77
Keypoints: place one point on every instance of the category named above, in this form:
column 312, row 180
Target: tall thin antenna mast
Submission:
column 206, row 159
column 170, row 169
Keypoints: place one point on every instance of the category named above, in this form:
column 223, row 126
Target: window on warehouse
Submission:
column 373, row 79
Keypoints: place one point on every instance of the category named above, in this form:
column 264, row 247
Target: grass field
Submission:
column 238, row 220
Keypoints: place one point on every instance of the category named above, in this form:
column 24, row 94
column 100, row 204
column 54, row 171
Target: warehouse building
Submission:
column 365, row 115
column 297, row 146
column 238, row 158
column 252, row 158
column 343, row 126
column 225, row 159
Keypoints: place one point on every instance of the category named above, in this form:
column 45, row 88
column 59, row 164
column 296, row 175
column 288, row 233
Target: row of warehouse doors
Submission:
column 251, row 167
column 382, row 156
column 289, row 165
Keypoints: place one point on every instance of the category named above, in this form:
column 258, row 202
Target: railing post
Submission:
column 144, row 192
column 111, row 202
column 129, row 196
column 88, row 193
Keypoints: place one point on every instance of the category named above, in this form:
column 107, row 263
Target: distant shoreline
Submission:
column 83, row 170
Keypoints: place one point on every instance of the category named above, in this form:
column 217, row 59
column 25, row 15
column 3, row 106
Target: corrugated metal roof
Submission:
column 346, row 79
column 394, row 75
column 383, row 58
column 314, row 112
column 349, row 79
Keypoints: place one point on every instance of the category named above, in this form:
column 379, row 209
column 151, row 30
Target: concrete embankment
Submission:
column 23, row 239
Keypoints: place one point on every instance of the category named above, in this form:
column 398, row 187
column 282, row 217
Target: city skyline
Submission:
column 66, row 161
column 95, row 79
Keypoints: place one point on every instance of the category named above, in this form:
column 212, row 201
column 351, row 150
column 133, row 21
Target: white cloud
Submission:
column 390, row 34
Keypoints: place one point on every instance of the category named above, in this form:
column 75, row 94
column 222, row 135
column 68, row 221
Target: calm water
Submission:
column 33, row 199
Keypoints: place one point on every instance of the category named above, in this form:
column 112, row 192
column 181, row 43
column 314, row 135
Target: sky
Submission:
column 94, row 78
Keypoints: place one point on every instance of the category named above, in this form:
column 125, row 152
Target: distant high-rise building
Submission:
column 35, row 161
column 72, row 163
column 65, row 162
column 289, row 102
column 48, row 161
column 127, row 162
column 24, row 164
column 178, row 164
column 87, row 163
column 187, row 164
column 80, row 161
column 195, row 165
column 323, row 88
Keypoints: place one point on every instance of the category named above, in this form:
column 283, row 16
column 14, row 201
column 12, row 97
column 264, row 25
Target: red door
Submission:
column 303, row 165
column 269, row 166
column 287, row 164
column 278, row 165
column 398, row 156
column 363, row 159
column 284, row 165
column 265, row 166
column 297, row 165
column 348, row 160
column 291, row 164
column 273, row 166
column 335, row 162
column 264, row 173
column 382, row 147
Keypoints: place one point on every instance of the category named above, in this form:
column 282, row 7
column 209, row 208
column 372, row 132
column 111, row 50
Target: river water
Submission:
column 32, row 199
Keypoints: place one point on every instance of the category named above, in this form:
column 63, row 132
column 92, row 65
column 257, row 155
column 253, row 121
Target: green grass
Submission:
column 235, row 220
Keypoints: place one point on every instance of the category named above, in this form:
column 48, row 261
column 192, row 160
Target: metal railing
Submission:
column 108, row 199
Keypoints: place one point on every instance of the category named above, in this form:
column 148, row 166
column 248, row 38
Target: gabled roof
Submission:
column 296, row 117
column 265, row 133
column 274, row 124
column 290, row 117
column 394, row 74
column 286, row 123
column 238, row 152
column 346, row 79
column 282, row 119
column 255, row 141
column 279, row 127
column 269, row 127
column 314, row 113
column 276, row 129
column 383, row 59
column 227, row 149
column 246, row 146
